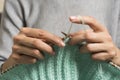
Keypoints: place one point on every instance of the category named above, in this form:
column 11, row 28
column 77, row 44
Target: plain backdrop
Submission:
column 1, row 5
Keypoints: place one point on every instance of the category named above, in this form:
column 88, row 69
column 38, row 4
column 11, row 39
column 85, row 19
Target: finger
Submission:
column 97, row 47
column 28, row 51
column 97, row 37
column 23, row 40
column 93, row 23
column 42, row 34
column 90, row 36
column 34, row 43
column 23, row 59
column 81, row 32
column 102, row 56
column 77, row 37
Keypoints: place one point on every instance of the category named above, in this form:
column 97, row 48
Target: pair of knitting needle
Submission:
column 69, row 30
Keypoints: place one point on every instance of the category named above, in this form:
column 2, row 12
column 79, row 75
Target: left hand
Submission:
column 99, row 41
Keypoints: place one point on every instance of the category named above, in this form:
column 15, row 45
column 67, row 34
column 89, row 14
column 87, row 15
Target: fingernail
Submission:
column 73, row 17
column 62, row 44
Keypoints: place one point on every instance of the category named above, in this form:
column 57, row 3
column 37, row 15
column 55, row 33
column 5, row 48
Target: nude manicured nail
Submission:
column 62, row 44
column 73, row 17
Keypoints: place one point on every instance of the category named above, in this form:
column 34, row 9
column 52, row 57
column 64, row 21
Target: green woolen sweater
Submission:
column 67, row 64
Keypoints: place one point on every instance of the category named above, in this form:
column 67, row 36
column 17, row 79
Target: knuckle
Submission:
column 33, row 61
column 36, row 42
column 15, row 47
column 36, row 52
column 112, row 53
column 15, row 57
column 41, row 33
column 23, row 30
column 88, row 36
column 111, row 47
column 18, row 38
column 109, row 38
column 89, row 47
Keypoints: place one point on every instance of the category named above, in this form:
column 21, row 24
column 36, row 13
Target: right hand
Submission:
column 29, row 44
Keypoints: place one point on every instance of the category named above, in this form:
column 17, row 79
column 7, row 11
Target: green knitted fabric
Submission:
column 67, row 64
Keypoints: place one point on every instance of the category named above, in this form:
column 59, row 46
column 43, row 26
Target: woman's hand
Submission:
column 29, row 45
column 99, row 41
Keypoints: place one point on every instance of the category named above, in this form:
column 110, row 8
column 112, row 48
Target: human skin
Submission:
column 99, row 41
column 29, row 43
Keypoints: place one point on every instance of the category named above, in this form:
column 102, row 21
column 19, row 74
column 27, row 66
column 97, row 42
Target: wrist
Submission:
column 116, row 59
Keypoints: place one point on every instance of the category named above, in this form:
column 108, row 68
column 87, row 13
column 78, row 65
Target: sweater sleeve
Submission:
column 12, row 21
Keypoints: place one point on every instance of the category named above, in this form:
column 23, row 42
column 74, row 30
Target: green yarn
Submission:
column 67, row 64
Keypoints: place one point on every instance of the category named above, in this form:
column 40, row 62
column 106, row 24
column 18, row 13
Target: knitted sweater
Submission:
column 53, row 16
column 67, row 64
